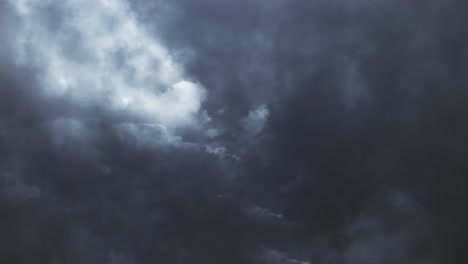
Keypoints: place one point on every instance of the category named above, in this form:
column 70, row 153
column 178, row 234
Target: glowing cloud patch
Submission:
column 100, row 54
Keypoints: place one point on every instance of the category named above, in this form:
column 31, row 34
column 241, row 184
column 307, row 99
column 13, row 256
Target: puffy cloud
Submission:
column 97, row 52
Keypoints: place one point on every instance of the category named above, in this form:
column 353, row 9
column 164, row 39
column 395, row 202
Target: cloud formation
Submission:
column 148, row 131
column 96, row 52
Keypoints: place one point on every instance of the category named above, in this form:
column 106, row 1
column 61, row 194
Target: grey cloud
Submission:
column 256, row 120
column 233, row 132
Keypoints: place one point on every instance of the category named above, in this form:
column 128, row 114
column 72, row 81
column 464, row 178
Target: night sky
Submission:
column 233, row 131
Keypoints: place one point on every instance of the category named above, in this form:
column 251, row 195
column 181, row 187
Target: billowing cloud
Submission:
column 148, row 131
column 96, row 52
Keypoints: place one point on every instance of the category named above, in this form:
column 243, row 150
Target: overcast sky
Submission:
column 233, row 131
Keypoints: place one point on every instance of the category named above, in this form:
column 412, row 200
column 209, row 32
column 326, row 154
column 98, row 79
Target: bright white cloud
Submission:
column 98, row 53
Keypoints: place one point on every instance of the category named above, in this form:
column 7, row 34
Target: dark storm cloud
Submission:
column 84, row 191
column 364, row 97
column 268, row 132
column 83, row 182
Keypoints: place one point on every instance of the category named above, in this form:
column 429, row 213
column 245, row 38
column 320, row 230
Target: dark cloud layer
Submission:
column 292, row 132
